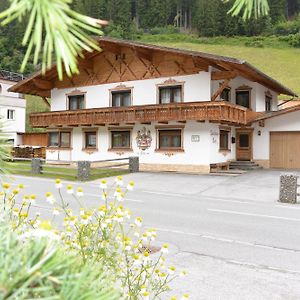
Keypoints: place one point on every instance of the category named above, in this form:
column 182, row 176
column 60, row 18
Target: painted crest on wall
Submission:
column 143, row 139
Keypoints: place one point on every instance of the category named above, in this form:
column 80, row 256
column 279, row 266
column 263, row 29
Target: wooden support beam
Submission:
column 145, row 54
column 43, row 84
column 130, row 123
column 163, row 122
column 220, row 90
column 220, row 75
column 86, row 64
column 201, row 121
column 46, row 101
column 146, row 123
column 99, row 124
column 183, row 122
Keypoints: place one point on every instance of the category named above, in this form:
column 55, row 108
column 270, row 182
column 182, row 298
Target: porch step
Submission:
column 244, row 165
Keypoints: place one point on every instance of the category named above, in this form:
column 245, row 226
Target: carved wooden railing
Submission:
column 218, row 111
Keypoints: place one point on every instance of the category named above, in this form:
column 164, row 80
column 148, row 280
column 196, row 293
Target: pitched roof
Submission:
column 243, row 68
column 277, row 113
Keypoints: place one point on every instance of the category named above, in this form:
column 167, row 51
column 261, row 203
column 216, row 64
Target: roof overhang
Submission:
column 41, row 84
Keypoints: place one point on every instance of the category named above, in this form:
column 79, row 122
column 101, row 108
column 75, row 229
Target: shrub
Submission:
column 102, row 235
column 36, row 268
column 294, row 40
column 287, row 27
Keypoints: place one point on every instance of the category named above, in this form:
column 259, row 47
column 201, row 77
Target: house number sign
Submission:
column 195, row 138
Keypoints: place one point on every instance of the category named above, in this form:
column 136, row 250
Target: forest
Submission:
column 131, row 19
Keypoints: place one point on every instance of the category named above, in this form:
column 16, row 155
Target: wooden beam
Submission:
column 46, row 101
column 43, row 84
column 129, row 123
column 145, row 54
column 146, row 123
column 181, row 122
column 220, row 75
column 163, row 122
column 86, row 64
column 220, row 90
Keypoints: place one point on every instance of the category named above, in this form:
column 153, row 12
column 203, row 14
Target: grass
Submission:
column 69, row 173
column 278, row 60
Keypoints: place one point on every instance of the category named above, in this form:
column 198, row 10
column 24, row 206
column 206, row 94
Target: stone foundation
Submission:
column 175, row 168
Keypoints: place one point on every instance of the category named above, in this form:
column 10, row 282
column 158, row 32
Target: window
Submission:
column 170, row 139
column 244, row 140
column 121, row 98
column 90, row 140
column 59, row 139
column 170, row 94
column 120, row 139
column 224, row 139
column 225, row 95
column 10, row 114
column 268, row 103
column 76, row 102
column 243, row 98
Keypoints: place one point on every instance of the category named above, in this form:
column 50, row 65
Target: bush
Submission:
column 164, row 30
column 103, row 235
column 294, row 40
column 287, row 27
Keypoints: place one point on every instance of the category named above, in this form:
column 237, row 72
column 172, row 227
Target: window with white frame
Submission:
column 11, row 114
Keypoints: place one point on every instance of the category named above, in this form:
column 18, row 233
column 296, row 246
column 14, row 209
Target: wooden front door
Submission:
column 244, row 144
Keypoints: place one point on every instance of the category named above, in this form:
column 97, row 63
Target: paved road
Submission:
column 231, row 235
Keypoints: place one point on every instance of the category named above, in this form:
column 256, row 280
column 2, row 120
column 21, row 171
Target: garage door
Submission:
column 285, row 150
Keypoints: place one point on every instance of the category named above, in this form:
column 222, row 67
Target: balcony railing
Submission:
column 222, row 112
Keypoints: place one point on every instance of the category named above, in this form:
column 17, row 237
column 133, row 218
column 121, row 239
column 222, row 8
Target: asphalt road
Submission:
column 230, row 233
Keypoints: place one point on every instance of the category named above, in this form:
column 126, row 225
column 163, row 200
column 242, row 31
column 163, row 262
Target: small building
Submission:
column 12, row 108
column 177, row 110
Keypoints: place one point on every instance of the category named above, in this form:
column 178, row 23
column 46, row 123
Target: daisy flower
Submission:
column 103, row 184
column 130, row 186
column 70, row 189
column 79, row 192
column 119, row 180
column 58, row 183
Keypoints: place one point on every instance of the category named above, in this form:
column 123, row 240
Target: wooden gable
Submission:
column 121, row 61
column 122, row 64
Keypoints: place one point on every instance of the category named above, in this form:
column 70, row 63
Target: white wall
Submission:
column 261, row 144
column 257, row 92
column 13, row 102
column 196, row 88
column 202, row 153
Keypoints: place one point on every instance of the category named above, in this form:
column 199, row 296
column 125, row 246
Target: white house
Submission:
column 175, row 109
column 12, row 108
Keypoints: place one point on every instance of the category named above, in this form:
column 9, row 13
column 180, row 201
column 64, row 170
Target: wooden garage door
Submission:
column 285, row 150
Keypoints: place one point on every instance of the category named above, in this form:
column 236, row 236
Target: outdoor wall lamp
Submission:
column 259, row 133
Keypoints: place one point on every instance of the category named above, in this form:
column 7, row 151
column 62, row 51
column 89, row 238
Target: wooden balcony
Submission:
column 219, row 111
